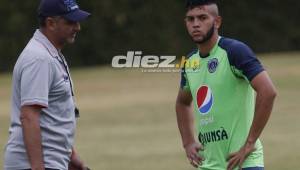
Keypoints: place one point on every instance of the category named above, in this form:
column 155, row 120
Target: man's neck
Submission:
column 206, row 47
column 51, row 38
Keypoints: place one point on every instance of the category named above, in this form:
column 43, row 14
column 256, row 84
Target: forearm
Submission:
column 263, row 109
column 33, row 144
column 32, row 141
column 185, row 121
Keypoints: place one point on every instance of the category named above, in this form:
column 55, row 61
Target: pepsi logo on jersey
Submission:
column 204, row 99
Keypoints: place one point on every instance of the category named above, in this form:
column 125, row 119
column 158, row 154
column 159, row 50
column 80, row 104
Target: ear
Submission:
column 218, row 22
column 50, row 23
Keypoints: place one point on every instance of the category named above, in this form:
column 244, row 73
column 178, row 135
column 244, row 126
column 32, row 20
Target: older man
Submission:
column 43, row 110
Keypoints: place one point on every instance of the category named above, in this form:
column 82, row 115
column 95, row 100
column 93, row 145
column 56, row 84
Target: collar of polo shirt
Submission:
column 39, row 36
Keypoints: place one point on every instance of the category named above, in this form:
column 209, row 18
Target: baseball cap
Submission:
column 190, row 3
column 65, row 8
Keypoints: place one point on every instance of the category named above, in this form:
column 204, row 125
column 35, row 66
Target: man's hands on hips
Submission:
column 238, row 158
column 192, row 153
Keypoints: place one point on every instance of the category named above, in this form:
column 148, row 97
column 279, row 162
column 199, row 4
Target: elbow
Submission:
column 178, row 105
column 267, row 94
column 29, row 115
column 23, row 118
column 273, row 94
column 177, row 108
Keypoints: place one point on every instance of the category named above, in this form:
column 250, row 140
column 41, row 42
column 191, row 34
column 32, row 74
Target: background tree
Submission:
column 154, row 27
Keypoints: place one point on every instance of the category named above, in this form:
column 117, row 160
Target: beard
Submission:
column 207, row 36
column 70, row 40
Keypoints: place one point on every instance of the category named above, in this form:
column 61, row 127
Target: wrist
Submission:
column 186, row 144
column 250, row 142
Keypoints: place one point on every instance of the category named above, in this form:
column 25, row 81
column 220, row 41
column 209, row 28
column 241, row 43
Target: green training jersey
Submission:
column 223, row 101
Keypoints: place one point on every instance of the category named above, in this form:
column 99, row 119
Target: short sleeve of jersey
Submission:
column 184, row 84
column 241, row 58
column 35, row 83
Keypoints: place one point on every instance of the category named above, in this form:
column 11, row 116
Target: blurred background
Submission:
column 154, row 27
column 127, row 117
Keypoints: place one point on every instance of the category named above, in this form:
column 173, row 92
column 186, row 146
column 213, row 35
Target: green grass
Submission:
column 128, row 120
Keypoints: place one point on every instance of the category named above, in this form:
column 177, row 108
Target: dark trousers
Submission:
column 254, row 168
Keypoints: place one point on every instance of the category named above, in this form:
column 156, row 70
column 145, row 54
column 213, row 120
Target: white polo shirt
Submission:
column 40, row 78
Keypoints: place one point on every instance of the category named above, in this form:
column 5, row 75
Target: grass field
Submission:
column 128, row 120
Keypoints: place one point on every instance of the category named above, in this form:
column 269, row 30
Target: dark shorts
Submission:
column 254, row 168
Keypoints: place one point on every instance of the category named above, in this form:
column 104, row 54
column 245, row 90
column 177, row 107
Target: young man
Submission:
column 43, row 110
column 217, row 96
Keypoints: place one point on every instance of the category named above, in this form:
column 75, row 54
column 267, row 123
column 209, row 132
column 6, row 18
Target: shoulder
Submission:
column 190, row 56
column 234, row 48
column 187, row 58
column 237, row 51
column 193, row 52
column 241, row 57
column 35, row 52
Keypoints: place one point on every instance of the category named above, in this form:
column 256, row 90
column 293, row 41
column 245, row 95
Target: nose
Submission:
column 196, row 23
column 77, row 27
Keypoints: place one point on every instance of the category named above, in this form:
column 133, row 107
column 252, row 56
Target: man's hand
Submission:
column 238, row 158
column 76, row 163
column 192, row 153
column 73, row 167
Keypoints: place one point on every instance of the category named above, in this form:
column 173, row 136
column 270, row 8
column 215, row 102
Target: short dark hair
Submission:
column 42, row 21
column 192, row 3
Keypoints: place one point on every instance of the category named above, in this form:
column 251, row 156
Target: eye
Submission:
column 202, row 17
column 189, row 18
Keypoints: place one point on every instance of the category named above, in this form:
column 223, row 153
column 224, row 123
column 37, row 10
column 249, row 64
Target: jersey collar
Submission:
column 212, row 51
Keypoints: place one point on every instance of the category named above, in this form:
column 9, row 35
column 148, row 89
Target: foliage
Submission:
column 154, row 27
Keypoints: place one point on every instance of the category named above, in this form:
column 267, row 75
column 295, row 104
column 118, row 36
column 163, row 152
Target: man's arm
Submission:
column 265, row 97
column 30, row 119
column 185, row 117
column 185, row 121
column 266, row 94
